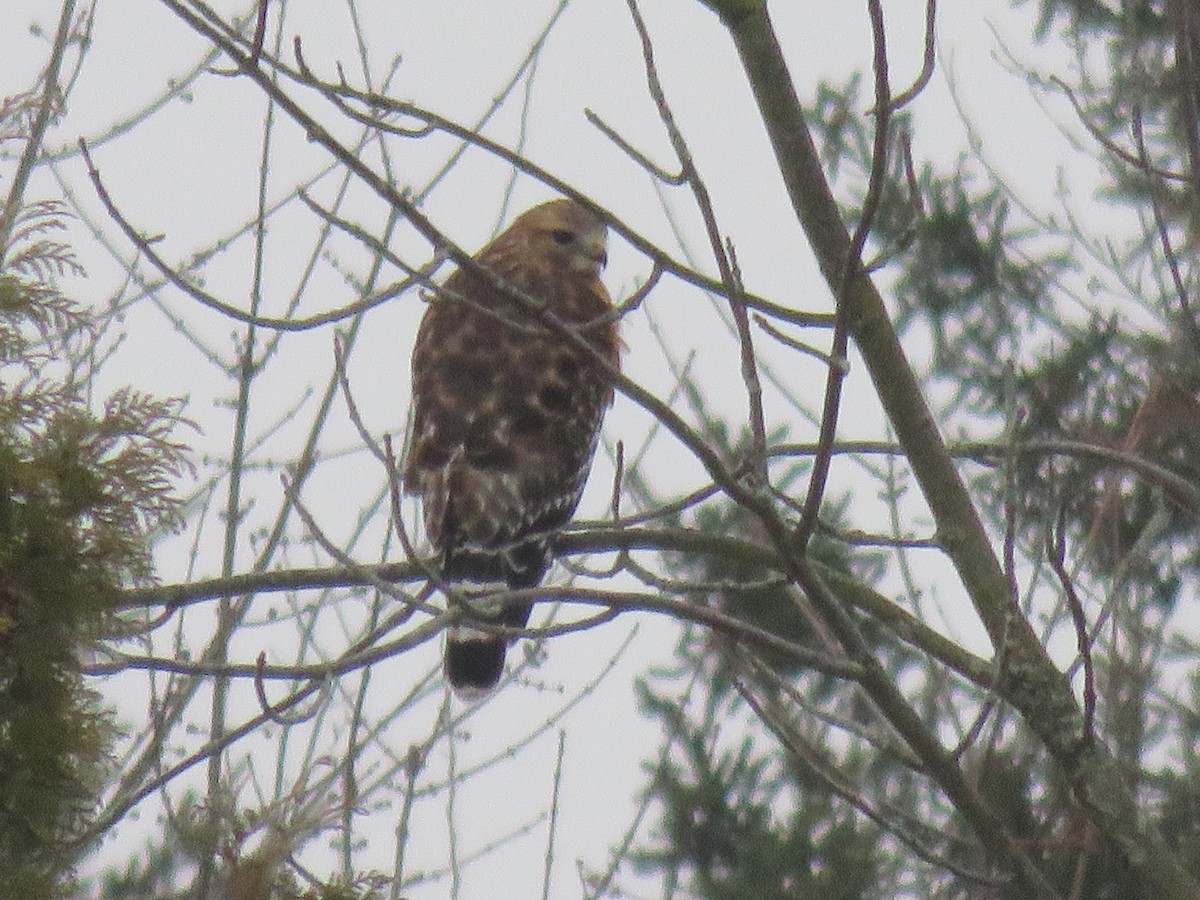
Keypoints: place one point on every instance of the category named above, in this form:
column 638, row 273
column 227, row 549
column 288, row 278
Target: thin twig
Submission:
column 1184, row 22
column 614, row 502
column 971, row 735
column 1159, row 221
column 50, row 101
column 910, row 174
column 275, row 715
column 260, row 32
column 415, row 763
column 175, row 277
column 452, row 779
column 557, row 783
column 788, row 341
column 339, row 365
column 928, row 62
column 1012, row 425
column 1056, row 552
column 851, row 269
column 723, row 253
column 326, row 544
column 1113, row 148
column 633, row 153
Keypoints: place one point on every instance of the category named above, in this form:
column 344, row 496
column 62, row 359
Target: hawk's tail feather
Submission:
column 525, row 564
column 473, row 661
column 520, row 566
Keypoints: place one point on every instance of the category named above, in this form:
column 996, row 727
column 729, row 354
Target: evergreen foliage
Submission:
column 80, row 492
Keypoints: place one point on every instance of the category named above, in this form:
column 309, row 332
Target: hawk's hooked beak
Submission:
column 595, row 247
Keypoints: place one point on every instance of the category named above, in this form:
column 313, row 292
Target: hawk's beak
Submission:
column 595, row 247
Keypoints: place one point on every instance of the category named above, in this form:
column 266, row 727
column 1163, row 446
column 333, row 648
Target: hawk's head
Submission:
column 565, row 236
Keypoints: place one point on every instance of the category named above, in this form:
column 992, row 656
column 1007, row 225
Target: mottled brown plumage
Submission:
column 507, row 413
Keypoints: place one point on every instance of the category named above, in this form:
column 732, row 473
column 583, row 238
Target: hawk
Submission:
column 507, row 413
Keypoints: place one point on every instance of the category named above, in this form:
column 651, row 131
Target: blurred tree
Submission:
column 1091, row 431
column 80, row 494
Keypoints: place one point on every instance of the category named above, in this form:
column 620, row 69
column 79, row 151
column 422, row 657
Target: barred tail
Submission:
column 473, row 659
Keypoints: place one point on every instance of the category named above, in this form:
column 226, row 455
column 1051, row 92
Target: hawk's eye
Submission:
column 563, row 237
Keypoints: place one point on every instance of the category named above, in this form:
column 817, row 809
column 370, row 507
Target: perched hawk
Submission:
column 507, row 414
